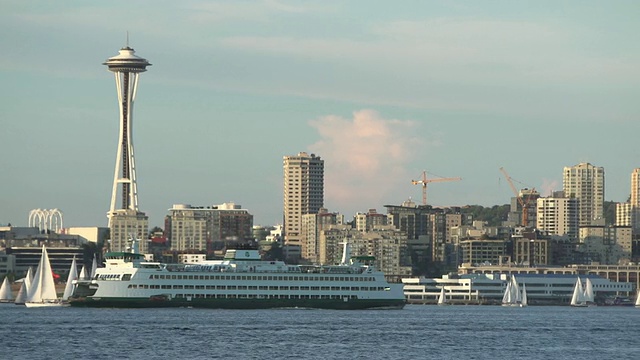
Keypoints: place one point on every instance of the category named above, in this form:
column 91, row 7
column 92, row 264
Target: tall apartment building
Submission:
column 442, row 248
column 312, row 225
column 558, row 215
column 585, row 182
column 635, row 200
column 194, row 227
column 303, row 194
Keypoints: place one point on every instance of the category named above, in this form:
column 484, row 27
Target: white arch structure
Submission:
column 46, row 219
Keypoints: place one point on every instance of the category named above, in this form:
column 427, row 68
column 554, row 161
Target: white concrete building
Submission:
column 585, row 182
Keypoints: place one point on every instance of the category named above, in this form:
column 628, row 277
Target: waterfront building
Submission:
column 126, row 220
column 585, row 182
column 635, row 200
column 303, row 194
column 206, row 228
column 558, row 215
column 623, row 214
column 488, row 288
column 7, row 264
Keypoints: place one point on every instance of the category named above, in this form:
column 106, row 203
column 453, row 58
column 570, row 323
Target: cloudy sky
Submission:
column 380, row 90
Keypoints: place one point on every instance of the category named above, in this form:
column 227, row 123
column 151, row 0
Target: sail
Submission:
column 638, row 298
column 442, row 297
column 589, row 295
column 94, row 266
column 83, row 273
column 21, row 298
column 43, row 287
column 5, row 290
column 507, row 298
column 517, row 297
column 524, row 301
column 73, row 275
column 578, row 294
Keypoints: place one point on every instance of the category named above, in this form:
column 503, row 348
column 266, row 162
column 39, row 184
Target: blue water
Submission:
column 416, row 332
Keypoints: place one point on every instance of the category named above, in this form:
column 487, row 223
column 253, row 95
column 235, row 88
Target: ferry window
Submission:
column 242, row 287
column 284, row 288
column 344, row 288
column 221, row 287
column 294, row 288
column 126, row 277
column 253, row 277
column 173, row 277
column 355, row 288
column 273, row 288
column 231, row 287
column 335, row 288
column 177, row 286
column 188, row 286
column 263, row 287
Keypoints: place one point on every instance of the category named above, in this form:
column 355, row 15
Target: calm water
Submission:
column 417, row 332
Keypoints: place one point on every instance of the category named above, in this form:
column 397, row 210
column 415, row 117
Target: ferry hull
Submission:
column 238, row 303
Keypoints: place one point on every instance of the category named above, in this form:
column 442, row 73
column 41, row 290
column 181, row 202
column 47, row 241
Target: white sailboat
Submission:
column 6, row 295
column 512, row 295
column 73, row 275
column 83, row 273
column 43, row 290
column 638, row 298
column 24, row 288
column 589, row 295
column 577, row 299
column 524, row 302
column 442, row 299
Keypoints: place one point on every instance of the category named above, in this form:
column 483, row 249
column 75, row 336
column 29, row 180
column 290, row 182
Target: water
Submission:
column 416, row 332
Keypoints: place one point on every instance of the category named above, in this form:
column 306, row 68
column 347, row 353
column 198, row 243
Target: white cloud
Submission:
column 366, row 158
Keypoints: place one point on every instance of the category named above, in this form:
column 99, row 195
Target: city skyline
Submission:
column 457, row 89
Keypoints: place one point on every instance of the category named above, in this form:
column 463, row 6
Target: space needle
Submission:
column 126, row 220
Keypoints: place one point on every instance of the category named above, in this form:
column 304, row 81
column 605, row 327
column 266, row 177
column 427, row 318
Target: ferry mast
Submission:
column 126, row 67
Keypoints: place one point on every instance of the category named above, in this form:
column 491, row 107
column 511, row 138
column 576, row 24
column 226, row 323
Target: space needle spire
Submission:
column 126, row 67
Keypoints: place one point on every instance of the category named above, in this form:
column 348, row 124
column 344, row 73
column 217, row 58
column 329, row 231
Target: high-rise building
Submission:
column 558, row 215
column 635, row 201
column 126, row 221
column 303, row 194
column 585, row 182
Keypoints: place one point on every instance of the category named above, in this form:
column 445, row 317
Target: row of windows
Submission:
column 262, row 277
column 262, row 296
column 246, row 287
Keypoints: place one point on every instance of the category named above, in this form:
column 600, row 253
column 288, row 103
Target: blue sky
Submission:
column 381, row 90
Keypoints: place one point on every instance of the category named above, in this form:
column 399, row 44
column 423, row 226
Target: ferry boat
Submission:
column 242, row 280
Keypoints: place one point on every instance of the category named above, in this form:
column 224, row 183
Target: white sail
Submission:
column 507, row 298
column 24, row 288
column 638, row 298
column 516, row 291
column 73, row 275
column 589, row 295
column 94, row 266
column 442, row 298
column 6, row 295
column 43, row 289
column 83, row 273
column 577, row 299
column 524, row 301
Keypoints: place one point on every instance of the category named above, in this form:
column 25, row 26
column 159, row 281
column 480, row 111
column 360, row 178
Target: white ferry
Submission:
column 241, row 281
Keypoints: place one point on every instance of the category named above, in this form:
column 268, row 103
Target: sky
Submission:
column 380, row 90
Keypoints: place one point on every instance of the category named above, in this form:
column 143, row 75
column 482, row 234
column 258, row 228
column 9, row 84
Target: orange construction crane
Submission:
column 524, row 204
column 425, row 181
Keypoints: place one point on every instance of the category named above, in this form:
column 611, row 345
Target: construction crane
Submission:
column 524, row 204
column 425, row 181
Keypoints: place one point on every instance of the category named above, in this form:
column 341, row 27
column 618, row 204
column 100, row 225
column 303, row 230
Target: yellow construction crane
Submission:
column 425, row 181
column 524, row 204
